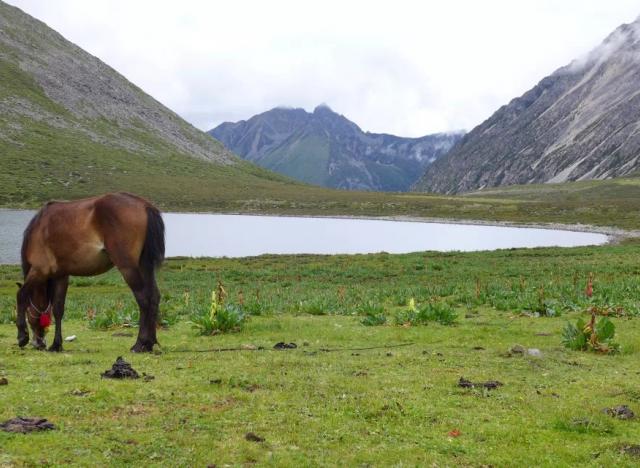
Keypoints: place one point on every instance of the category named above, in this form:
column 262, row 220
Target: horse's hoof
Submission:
column 141, row 348
column 54, row 348
column 39, row 343
column 23, row 342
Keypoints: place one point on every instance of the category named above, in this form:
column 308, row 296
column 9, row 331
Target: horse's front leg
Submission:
column 59, row 297
column 21, row 315
column 23, row 330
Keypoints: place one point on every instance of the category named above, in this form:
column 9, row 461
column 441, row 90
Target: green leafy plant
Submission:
column 373, row 314
column 7, row 310
column 440, row 312
column 315, row 306
column 257, row 308
column 374, row 319
column 112, row 318
column 220, row 318
column 592, row 336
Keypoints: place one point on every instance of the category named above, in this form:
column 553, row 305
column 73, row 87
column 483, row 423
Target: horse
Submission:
column 85, row 238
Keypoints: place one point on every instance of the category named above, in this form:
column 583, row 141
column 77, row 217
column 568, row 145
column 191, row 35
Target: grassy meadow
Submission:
column 367, row 384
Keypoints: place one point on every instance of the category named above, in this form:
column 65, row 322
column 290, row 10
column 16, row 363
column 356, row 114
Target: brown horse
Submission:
column 85, row 238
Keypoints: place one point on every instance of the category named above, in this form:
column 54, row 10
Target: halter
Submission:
column 43, row 316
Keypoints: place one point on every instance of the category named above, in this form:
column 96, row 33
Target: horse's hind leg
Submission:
column 147, row 296
column 60, row 286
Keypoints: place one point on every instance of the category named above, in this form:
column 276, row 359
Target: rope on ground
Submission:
column 217, row 350
column 330, row 350
column 261, row 348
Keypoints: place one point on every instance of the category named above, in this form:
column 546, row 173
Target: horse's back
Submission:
column 80, row 237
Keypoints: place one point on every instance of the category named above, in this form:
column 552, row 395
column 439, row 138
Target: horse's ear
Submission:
column 19, row 285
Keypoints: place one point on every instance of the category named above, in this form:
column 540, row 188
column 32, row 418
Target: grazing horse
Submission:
column 85, row 238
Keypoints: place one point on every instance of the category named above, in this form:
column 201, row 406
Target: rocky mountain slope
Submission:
column 581, row 122
column 325, row 148
column 71, row 126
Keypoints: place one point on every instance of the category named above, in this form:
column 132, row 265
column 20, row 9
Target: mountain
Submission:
column 581, row 122
column 324, row 148
column 72, row 126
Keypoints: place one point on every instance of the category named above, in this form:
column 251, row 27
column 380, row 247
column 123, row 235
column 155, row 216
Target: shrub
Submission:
column 593, row 336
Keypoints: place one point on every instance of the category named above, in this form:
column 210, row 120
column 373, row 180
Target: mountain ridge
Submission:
column 89, row 89
column 325, row 148
column 579, row 123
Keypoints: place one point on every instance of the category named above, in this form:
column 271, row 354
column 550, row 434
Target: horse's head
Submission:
column 33, row 302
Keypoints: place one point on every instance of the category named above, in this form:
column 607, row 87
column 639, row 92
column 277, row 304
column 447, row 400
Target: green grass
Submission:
column 383, row 406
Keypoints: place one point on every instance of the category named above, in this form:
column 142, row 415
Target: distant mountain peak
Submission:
column 326, row 148
column 323, row 107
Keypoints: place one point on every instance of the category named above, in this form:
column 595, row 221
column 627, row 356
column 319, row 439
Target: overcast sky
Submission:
column 407, row 68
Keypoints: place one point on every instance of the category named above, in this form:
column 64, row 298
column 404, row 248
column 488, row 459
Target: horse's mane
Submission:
column 25, row 240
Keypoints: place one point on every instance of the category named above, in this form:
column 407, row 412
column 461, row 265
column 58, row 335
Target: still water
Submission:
column 209, row 235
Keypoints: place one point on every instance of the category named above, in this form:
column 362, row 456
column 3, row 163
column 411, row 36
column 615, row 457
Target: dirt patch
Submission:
column 632, row 450
column 283, row 345
column 120, row 369
column 620, row 412
column 127, row 334
column 220, row 405
column 4, row 381
column 251, row 437
column 24, row 425
column 489, row 384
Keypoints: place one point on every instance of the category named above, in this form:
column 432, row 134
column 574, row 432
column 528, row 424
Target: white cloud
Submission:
column 402, row 67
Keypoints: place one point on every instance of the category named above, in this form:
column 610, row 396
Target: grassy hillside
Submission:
column 304, row 160
column 193, row 185
column 70, row 126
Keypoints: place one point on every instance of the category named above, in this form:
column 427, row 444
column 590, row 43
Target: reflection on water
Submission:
column 209, row 235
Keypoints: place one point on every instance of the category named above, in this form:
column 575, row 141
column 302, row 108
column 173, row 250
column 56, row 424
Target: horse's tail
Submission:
column 153, row 250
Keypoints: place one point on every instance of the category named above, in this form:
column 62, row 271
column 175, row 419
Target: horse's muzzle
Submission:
column 39, row 343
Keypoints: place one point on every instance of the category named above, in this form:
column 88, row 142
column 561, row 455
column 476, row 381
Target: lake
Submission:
column 212, row 235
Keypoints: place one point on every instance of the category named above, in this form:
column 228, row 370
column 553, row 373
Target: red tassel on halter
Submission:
column 45, row 320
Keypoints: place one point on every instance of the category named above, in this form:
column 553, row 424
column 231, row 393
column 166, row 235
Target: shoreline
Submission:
column 614, row 234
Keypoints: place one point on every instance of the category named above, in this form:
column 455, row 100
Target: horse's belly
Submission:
column 91, row 260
